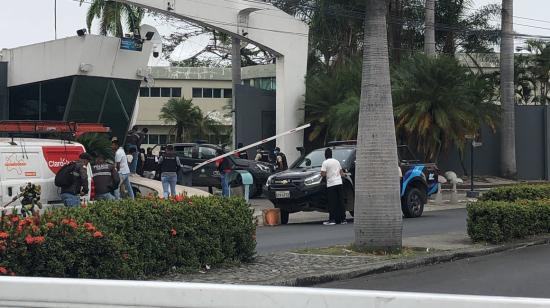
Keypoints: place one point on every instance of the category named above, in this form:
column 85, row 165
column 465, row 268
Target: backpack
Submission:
column 65, row 178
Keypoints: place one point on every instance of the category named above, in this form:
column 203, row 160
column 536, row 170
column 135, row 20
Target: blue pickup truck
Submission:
column 301, row 188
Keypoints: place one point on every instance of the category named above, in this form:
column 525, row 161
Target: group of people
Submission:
column 279, row 158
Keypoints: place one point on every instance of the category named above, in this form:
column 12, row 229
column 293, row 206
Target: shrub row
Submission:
column 128, row 239
column 501, row 221
column 518, row 192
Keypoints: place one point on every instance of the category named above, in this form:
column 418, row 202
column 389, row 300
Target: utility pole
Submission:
column 55, row 18
column 236, row 76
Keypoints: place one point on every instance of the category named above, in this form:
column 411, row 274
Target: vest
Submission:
column 103, row 178
column 169, row 163
column 150, row 163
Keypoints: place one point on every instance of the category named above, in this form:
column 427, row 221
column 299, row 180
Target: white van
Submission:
column 25, row 160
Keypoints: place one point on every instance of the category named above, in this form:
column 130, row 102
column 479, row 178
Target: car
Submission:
column 192, row 154
column 302, row 188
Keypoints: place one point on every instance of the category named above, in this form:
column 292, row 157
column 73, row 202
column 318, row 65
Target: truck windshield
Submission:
column 316, row 158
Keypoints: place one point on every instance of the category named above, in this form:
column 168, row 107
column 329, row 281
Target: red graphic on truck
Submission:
column 59, row 156
column 15, row 163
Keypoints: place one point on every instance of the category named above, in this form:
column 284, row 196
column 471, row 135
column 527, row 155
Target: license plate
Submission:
column 282, row 194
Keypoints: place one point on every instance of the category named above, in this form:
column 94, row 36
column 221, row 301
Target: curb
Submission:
column 390, row 266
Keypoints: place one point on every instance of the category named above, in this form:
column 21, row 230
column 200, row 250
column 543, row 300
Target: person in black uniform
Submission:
column 106, row 179
column 150, row 165
column 169, row 164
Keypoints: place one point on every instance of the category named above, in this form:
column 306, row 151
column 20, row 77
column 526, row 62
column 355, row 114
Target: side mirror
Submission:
column 308, row 162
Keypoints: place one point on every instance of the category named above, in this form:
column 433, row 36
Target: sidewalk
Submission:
column 295, row 269
column 487, row 182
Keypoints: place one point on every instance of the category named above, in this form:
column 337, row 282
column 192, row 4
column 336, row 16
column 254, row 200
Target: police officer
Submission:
column 280, row 159
column 242, row 154
column 106, row 179
column 169, row 164
column 150, row 165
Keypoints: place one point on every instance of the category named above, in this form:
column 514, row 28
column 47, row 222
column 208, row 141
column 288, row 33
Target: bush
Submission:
column 501, row 221
column 518, row 192
column 128, row 239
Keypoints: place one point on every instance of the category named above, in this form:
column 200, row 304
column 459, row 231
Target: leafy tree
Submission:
column 438, row 101
column 97, row 145
column 183, row 114
column 112, row 15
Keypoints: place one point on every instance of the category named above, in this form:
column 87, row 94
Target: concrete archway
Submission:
column 263, row 25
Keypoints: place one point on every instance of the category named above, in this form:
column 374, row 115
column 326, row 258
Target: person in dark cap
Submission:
column 78, row 186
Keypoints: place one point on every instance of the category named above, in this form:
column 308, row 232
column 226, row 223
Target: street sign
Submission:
column 127, row 43
column 292, row 131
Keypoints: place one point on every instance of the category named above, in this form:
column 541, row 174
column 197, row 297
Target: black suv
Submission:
column 301, row 188
column 192, row 154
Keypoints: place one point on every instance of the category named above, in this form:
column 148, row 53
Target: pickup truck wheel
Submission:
column 284, row 217
column 412, row 204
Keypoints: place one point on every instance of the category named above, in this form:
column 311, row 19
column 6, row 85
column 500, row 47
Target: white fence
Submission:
column 48, row 292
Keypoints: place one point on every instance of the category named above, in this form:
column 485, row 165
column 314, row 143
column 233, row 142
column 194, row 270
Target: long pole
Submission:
column 292, row 131
column 472, row 166
column 55, row 18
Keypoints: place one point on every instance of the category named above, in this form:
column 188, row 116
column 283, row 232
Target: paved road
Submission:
column 314, row 234
column 518, row 273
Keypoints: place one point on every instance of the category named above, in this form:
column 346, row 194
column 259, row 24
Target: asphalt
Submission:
column 517, row 273
column 314, row 234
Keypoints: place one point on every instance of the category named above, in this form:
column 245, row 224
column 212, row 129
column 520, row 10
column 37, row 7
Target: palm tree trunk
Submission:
column 378, row 220
column 508, row 136
column 179, row 133
column 429, row 32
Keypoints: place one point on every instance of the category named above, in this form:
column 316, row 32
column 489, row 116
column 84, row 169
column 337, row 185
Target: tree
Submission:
column 111, row 15
column 429, row 33
column 96, row 145
column 183, row 114
column 508, row 132
column 437, row 102
column 378, row 220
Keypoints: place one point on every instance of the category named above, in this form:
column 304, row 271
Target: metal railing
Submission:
column 52, row 292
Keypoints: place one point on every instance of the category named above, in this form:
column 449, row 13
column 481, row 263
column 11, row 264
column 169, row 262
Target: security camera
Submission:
column 156, row 54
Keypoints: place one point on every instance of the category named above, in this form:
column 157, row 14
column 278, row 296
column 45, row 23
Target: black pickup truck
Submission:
column 301, row 188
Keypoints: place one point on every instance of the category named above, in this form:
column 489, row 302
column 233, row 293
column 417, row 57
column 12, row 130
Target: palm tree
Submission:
column 508, row 135
column 437, row 102
column 112, row 14
column 378, row 222
column 97, row 145
column 429, row 33
column 183, row 114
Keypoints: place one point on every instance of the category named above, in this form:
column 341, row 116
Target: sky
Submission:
column 24, row 22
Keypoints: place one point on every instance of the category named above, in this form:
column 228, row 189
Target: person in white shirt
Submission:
column 121, row 163
column 332, row 171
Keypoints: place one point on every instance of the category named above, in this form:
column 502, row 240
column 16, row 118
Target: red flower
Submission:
column 29, row 239
column 65, row 221
column 173, row 232
column 14, row 218
column 89, row 226
column 39, row 240
column 4, row 235
column 35, row 228
column 50, row 225
column 3, row 270
column 19, row 229
column 180, row 198
column 98, row 234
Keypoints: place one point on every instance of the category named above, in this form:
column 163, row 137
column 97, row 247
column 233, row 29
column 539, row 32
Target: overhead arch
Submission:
column 263, row 25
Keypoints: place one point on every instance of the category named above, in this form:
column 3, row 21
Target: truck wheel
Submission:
column 412, row 203
column 284, row 217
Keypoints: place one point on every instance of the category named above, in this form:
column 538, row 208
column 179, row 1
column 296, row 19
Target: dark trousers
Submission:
column 335, row 196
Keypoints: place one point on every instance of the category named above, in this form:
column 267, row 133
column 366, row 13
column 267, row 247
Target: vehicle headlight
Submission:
column 313, row 180
column 263, row 168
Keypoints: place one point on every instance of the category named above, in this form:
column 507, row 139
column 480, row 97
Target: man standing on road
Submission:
column 225, row 168
column 78, row 184
column 121, row 163
column 169, row 164
column 106, row 179
column 332, row 170
column 132, row 144
column 150, row 165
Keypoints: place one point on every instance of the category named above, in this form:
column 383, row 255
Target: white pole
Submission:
column 292, row 131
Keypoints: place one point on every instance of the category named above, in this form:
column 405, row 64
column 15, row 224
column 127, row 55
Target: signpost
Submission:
column 474, row 144
column 292, row 131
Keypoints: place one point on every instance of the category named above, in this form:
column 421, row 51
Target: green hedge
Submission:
column 128, row 239
column 518, row 192
column 501, row 221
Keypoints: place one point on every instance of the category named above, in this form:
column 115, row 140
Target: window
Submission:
column 207, row 92
column 217, row 93
column 165, row 92
column 176, row 92
column 197, row 92
column 155, row 92
column 184, row 151
column 206, row 153
column 246, row 82
column 153, row 139
column 144, row 92
column 227, row 93
column 163, row 139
